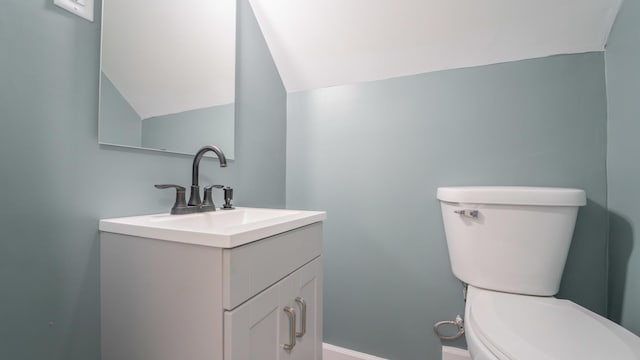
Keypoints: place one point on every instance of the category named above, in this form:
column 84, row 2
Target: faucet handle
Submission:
column 169, row 186
column 180, row 206
column 210, row 187
column 208, row 195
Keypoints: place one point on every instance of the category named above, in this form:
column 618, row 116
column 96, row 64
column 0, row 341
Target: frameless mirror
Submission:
column 167, row 74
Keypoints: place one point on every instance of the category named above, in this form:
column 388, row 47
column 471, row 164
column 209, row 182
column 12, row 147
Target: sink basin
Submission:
column 222, row 228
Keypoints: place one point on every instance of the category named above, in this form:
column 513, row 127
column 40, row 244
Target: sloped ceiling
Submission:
column 321, row 43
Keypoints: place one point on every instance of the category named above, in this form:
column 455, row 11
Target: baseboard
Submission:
column 452, row 353
column 332, row 352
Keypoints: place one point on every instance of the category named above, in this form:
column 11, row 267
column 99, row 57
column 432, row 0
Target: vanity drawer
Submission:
column 251, row 268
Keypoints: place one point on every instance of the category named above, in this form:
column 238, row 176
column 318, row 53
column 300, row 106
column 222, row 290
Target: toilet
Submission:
column 509, row 245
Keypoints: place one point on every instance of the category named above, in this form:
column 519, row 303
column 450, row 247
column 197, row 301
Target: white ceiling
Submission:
column 167, row 57
column 321, row 43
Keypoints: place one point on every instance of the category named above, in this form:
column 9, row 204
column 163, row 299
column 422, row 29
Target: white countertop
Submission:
column 221, row 228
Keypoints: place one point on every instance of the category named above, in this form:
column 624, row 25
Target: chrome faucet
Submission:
column 194, row 198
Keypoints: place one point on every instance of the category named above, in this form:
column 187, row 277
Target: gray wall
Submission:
column 123, row 125
column 373, row 154
column 57, row 181
column 623, row 89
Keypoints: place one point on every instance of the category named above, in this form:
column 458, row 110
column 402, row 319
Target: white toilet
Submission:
column 509, row 245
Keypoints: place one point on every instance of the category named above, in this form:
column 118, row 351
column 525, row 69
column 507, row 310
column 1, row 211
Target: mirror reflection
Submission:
column 167, row 77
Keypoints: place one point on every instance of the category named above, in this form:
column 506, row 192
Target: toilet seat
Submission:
column 521, row 327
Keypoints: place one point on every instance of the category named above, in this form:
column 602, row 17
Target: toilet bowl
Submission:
column 509, row 246
column 502, row 326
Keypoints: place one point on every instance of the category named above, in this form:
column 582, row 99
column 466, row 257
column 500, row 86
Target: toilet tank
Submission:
column 510, row 238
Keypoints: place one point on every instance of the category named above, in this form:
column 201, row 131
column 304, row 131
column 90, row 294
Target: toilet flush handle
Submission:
column 468, row 213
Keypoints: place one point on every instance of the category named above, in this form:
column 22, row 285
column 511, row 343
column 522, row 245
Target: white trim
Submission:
column 452, row 353
column 332, row 352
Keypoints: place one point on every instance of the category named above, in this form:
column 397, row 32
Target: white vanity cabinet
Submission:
column 169, row 300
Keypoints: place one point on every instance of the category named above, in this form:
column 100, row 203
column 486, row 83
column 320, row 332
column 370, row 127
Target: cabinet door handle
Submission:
column 291, row 313
column 303, row 319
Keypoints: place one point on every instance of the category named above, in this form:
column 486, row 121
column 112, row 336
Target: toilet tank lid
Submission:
column 513, row 195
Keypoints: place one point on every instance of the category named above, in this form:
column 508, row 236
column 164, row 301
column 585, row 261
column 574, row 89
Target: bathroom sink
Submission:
column 222, row 228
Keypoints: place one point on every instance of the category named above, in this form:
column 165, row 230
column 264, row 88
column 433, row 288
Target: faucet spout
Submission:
column 194, row 199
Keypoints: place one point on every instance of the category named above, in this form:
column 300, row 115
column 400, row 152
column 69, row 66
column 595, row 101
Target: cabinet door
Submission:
column 309, row 292
column 259, row 328
column 251, row 331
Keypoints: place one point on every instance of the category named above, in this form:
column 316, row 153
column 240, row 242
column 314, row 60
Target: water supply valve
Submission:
column 459, row 326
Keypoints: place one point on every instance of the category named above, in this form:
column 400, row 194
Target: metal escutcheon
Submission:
column 458, row 323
